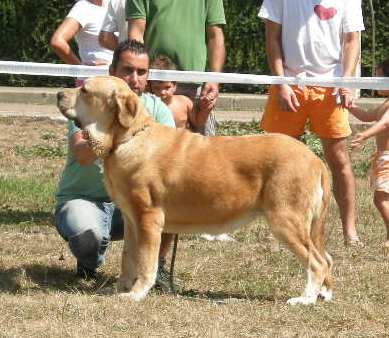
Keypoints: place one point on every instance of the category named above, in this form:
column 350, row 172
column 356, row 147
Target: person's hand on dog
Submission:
column 288, row 99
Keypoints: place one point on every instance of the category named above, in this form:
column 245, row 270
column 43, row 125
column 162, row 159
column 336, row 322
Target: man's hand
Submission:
column 346, row 97
column 357, row 141
column 208, row 96
column 288, row 99
column 97, row 62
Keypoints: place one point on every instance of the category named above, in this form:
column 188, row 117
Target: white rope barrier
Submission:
column 48, row 69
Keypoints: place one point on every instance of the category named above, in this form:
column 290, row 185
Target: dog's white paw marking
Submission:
column 134, row 296
column 326, row 294
column 305, row 300
column 220, row 238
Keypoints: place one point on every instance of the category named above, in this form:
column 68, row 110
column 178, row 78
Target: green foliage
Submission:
column 27, row 193
column 41, row 150
column 27, row 26
column 234, row 128
column 314, row 143
column 381, row 9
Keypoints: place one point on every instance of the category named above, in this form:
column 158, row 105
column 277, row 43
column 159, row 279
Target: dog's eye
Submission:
column 83, row 90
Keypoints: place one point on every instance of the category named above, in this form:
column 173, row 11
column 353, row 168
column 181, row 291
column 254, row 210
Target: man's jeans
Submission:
column 89, row 227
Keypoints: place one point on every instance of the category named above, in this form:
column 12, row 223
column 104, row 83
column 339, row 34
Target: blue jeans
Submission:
column 89, row 227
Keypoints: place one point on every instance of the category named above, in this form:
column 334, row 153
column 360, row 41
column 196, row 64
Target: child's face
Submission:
column 164, row 89
column 379, row 72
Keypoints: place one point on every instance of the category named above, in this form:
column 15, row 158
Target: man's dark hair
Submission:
column 133, row 46
column 163, row 62
column 384, row 65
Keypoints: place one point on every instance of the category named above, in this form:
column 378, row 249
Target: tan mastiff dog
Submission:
column 166, row 179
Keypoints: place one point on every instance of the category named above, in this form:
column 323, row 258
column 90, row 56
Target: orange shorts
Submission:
column 327, row 119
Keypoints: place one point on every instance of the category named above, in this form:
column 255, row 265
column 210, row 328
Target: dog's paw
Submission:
column 133, row 296
column 304, row 300
column 326, row 294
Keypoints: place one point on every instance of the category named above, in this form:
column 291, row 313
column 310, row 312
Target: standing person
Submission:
column 315, row 38
column 379, row 179
column 85, row 216
column 82, row 23
column 114, row 21
column 187, row 32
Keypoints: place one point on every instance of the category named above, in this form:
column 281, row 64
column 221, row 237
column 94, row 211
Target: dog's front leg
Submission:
column 149, row 230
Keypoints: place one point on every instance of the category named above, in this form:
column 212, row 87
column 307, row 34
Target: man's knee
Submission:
column 88, row 244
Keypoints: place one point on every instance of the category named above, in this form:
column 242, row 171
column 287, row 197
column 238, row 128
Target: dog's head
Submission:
column 102, row 104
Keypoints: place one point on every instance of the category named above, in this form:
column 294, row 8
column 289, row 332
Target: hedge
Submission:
column 27, row 25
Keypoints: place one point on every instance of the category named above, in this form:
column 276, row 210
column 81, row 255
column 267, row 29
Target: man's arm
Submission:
column 136, row 29
column 81, row 149
column 216, row 48
column 350, row 57
column 350, row 53
column 108, row 40
column 382, row 125
column 60, row 41
column 216, row 58
column 287, row 99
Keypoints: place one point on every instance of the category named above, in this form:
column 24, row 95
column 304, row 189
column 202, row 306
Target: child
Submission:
column 182, row 107
column 380, row 164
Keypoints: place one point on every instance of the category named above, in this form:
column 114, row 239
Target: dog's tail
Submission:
column 322, row 201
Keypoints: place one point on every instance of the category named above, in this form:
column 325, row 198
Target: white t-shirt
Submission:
column 312, row 32
column 90, row 17
column 115, row 19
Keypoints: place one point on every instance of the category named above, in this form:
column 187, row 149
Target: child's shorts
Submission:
column 379, row 175
column 327, row 118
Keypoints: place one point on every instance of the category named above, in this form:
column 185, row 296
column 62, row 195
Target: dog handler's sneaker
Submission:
column 163, row 281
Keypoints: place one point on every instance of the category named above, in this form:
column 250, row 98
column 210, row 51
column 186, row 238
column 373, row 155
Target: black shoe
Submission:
column 84, row 272
column 163, row 281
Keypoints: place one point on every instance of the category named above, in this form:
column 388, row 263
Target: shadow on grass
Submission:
column 42, row 278
column 37, row 277
column 10, row 216
column 223, row 297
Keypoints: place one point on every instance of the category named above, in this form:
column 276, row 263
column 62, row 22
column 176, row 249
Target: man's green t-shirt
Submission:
column 86, row 182
column 177, row 28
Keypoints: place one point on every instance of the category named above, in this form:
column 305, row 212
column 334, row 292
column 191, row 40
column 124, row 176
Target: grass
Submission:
column 234, row 289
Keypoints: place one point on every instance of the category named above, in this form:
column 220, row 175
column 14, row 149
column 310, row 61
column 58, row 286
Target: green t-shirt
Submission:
column 177, row 28
column 86, row 182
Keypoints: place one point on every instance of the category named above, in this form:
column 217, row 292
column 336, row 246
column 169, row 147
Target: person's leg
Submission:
column 381, row 201
column 336, row 154
column 329, row 120
column 117, row 224
column 85, row 225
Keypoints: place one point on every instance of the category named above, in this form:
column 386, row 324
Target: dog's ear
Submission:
column 127, row 108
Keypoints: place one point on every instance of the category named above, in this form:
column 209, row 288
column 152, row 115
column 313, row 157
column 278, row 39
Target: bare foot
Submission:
column 353, row 242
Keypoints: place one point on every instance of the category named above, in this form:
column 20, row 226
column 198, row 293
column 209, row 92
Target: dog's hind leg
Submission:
column 318, row 231
column 149, row 230
column 291, row 228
